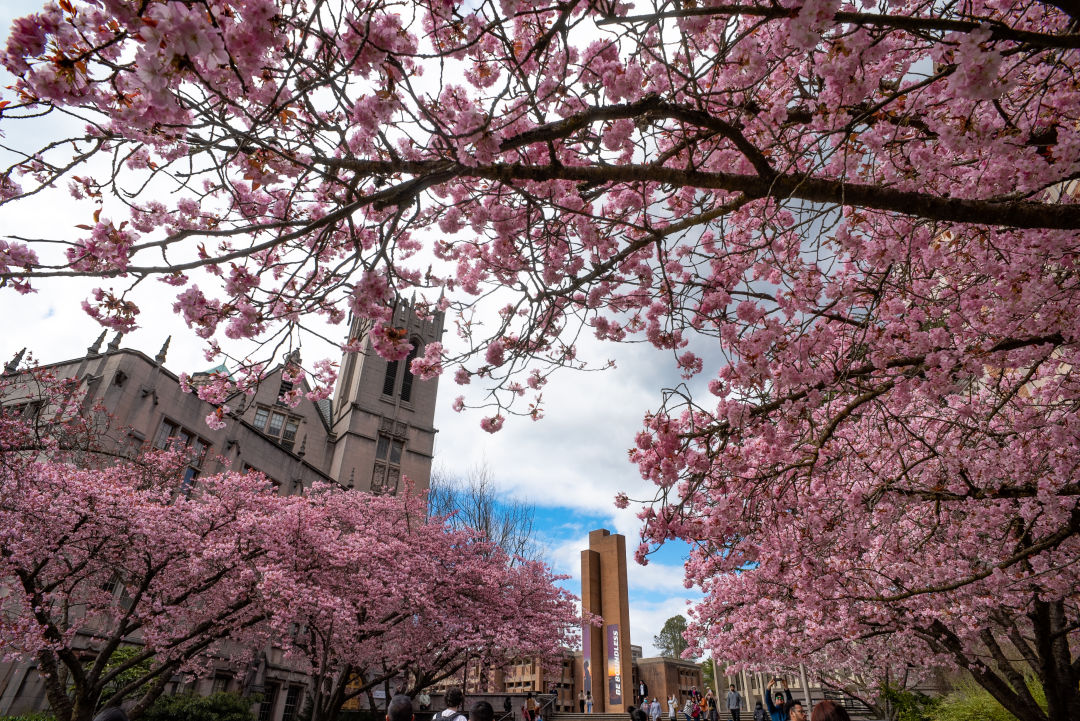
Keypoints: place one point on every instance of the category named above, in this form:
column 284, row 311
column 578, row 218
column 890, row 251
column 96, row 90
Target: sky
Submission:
column 569, row 465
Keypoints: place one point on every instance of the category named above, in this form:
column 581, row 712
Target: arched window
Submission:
column 407, row 379
column 389, row 380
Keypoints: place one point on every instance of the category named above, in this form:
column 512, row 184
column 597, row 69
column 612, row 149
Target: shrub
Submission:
column 910, row 705
column 970, row 702
column 216, row 707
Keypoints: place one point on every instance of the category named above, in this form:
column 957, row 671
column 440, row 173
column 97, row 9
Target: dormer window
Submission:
column 279, row 426
column 284, row 388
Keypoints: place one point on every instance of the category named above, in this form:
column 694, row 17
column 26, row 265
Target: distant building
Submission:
column 609, row 667
column 377, row 429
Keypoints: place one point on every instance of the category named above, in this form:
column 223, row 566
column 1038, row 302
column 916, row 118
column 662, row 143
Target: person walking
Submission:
column 588, row 702
column 689, row 707
column 760, row 714
column 711, row 708
column 643, row 692
column 734, row 703
column 455, row 702
column 481, row 711
column 671, row 707
column 400, row 709
column 581, row 701
column 530, row 706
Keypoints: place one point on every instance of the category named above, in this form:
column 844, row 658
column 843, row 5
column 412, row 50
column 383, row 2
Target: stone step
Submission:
column 564, row 716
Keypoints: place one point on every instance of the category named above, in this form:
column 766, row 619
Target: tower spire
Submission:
column 13, row 364
column 160, row 357
column 96, row 347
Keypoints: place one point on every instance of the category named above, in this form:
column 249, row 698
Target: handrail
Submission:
column 548, row 701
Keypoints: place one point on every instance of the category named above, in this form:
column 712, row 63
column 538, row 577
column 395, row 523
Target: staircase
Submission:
column 563, row 716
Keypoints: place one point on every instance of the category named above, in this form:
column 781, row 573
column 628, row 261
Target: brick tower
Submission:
column 607, row 648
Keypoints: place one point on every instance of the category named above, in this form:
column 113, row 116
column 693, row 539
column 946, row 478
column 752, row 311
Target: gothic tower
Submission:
column 383, row 417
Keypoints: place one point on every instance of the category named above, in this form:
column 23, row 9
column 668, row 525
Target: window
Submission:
column 284, row 388
column 387, row 471
column 390, row 379
column 280, row 426
column 407, row 379
column 172, row 435
column 266, row 708
column 221, row 684
column 292, row 703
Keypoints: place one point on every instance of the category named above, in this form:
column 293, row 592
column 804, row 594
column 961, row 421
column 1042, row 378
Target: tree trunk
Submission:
column 152, row 694
column 55, row 690
column 1055, row 668
column 985, row 676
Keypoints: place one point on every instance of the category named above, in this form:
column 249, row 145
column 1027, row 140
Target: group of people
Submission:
column 779, row 706
column 699, row 707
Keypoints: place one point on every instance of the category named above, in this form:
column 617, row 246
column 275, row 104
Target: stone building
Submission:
column 377, row 429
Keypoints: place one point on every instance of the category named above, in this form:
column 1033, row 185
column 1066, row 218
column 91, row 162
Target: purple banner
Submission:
column 614, row 665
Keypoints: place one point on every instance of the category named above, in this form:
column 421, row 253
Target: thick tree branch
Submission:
column 998, row 30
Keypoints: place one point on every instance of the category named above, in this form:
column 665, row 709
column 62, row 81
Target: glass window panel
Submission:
column 292, row 702
column 260, row 418
column 407, row 378
column 183, row 437
column 266, row 708
column 200, row 446
column 395, row 452
column 167, row 431
column 390, row 378
column 290, row 430
column 378, row 478
column 392, row 476
column 381, row 449
column 277, row 420
column 190, row 474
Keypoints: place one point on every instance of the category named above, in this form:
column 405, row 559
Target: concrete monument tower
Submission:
column 606, row 659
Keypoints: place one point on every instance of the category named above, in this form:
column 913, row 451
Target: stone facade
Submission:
column 377, row 430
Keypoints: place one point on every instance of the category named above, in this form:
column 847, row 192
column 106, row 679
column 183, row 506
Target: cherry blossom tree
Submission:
column 115, row 581
column 112, row 584
column 373, row 589
column 95, row 561
column 853, row 226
